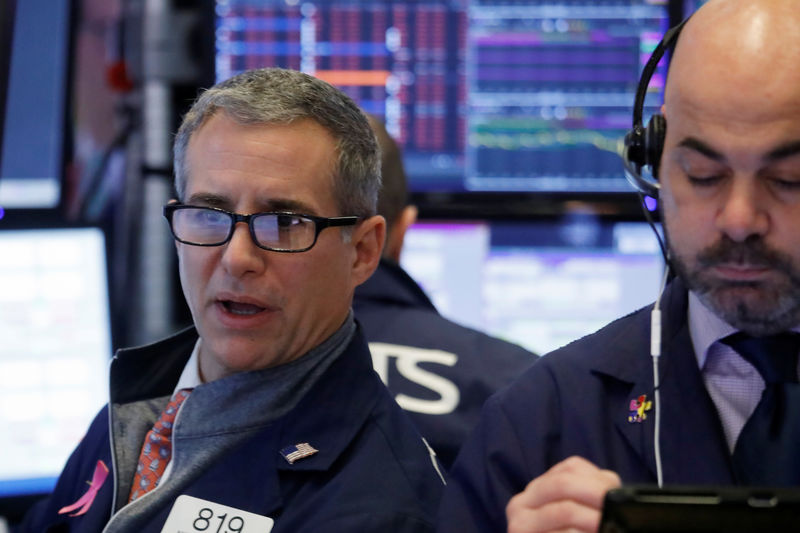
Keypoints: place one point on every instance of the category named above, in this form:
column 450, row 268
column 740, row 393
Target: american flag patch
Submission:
column 298, row 451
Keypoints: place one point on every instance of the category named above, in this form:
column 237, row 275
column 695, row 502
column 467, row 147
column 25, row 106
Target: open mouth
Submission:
column 242, row 309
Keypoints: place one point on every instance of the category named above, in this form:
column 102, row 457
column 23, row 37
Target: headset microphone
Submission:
column 644, row 145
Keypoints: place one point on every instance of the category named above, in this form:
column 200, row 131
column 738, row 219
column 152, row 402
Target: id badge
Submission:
column 193, row 515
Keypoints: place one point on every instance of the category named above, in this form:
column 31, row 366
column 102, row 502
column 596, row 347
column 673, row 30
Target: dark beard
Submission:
column 756, row 307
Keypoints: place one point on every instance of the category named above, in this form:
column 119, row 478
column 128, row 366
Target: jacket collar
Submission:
column 628, row 362
column 164, row 361
column 334, row 410
column 390, row 283
column 692, row 442
column 327, row 418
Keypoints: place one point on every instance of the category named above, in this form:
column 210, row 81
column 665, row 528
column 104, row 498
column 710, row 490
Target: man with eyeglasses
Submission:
column 272, row 415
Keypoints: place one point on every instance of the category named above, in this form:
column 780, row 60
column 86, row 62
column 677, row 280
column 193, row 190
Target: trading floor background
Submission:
column 510, row 115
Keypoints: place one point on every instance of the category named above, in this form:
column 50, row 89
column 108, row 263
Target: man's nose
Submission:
column 241, row 254
column 744, row 210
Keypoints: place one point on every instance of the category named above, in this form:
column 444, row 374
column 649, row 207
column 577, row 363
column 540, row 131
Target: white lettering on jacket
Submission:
column 408, row 359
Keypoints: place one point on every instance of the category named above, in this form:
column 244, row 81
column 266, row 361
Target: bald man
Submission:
column 581, row 420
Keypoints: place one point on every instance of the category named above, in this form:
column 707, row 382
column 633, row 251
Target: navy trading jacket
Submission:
column 372, row 471
column 592, row 398
column 441, row 373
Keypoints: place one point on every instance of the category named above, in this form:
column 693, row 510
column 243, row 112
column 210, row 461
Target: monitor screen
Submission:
column 55, row 350
column 483, row 95
column 538, row 284
column 34, row 122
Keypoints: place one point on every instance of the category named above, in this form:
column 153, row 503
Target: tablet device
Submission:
column 700, row 509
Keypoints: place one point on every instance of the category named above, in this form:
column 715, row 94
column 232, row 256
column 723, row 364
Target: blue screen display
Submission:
column 539, row 284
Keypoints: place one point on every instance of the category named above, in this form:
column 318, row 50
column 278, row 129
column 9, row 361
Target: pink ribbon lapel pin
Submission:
column 85, row 501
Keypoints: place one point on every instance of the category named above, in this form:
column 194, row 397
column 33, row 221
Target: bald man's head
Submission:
column 737, row 53
column 730, row 169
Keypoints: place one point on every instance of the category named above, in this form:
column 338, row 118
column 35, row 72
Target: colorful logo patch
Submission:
column 638, row 407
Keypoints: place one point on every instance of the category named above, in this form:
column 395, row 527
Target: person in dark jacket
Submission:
column 438, row 371
column 265, row 415
column 724, row 350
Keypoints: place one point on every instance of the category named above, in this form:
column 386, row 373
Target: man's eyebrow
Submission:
column 782, row 152
column 277, row 204
column 285, row 204
column 211, row 200
column 789, row 149
column 699, row 146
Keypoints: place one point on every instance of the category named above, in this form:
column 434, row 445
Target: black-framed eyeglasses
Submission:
column 278, row 232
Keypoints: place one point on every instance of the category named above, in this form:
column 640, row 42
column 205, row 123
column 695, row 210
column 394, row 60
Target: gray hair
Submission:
column 281, row 96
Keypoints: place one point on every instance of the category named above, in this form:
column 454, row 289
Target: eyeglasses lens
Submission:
column 201, row 226
column 284, row 232
column 273, row 231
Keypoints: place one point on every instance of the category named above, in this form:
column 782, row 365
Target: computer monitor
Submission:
column 540, row 284
column 34, row 119
column 54, row 353
column 484, row 96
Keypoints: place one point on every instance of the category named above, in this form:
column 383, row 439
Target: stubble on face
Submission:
column 758, row 307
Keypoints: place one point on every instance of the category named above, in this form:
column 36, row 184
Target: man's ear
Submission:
column 367, row 240
column 397, row 234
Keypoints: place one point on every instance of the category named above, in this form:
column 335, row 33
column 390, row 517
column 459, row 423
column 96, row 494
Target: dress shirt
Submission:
column 734, row 384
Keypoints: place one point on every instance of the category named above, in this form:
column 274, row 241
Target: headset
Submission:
column 644, row 145
column 641, row 154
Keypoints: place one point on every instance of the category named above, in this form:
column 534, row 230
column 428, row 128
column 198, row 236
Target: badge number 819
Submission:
column 202, row 522
column 194, row 515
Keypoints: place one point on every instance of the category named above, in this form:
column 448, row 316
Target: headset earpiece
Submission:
column 654, row 136
column 644, row 145
column 643, row 148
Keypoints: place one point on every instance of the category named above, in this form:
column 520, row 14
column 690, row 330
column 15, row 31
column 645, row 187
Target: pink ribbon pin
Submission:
column 85, row 501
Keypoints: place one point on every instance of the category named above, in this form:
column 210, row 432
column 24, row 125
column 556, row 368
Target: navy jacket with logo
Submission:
column 441, row 373
column 583, row 400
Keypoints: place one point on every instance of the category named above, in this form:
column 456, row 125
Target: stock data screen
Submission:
column 539, row 284
column 482, row 95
